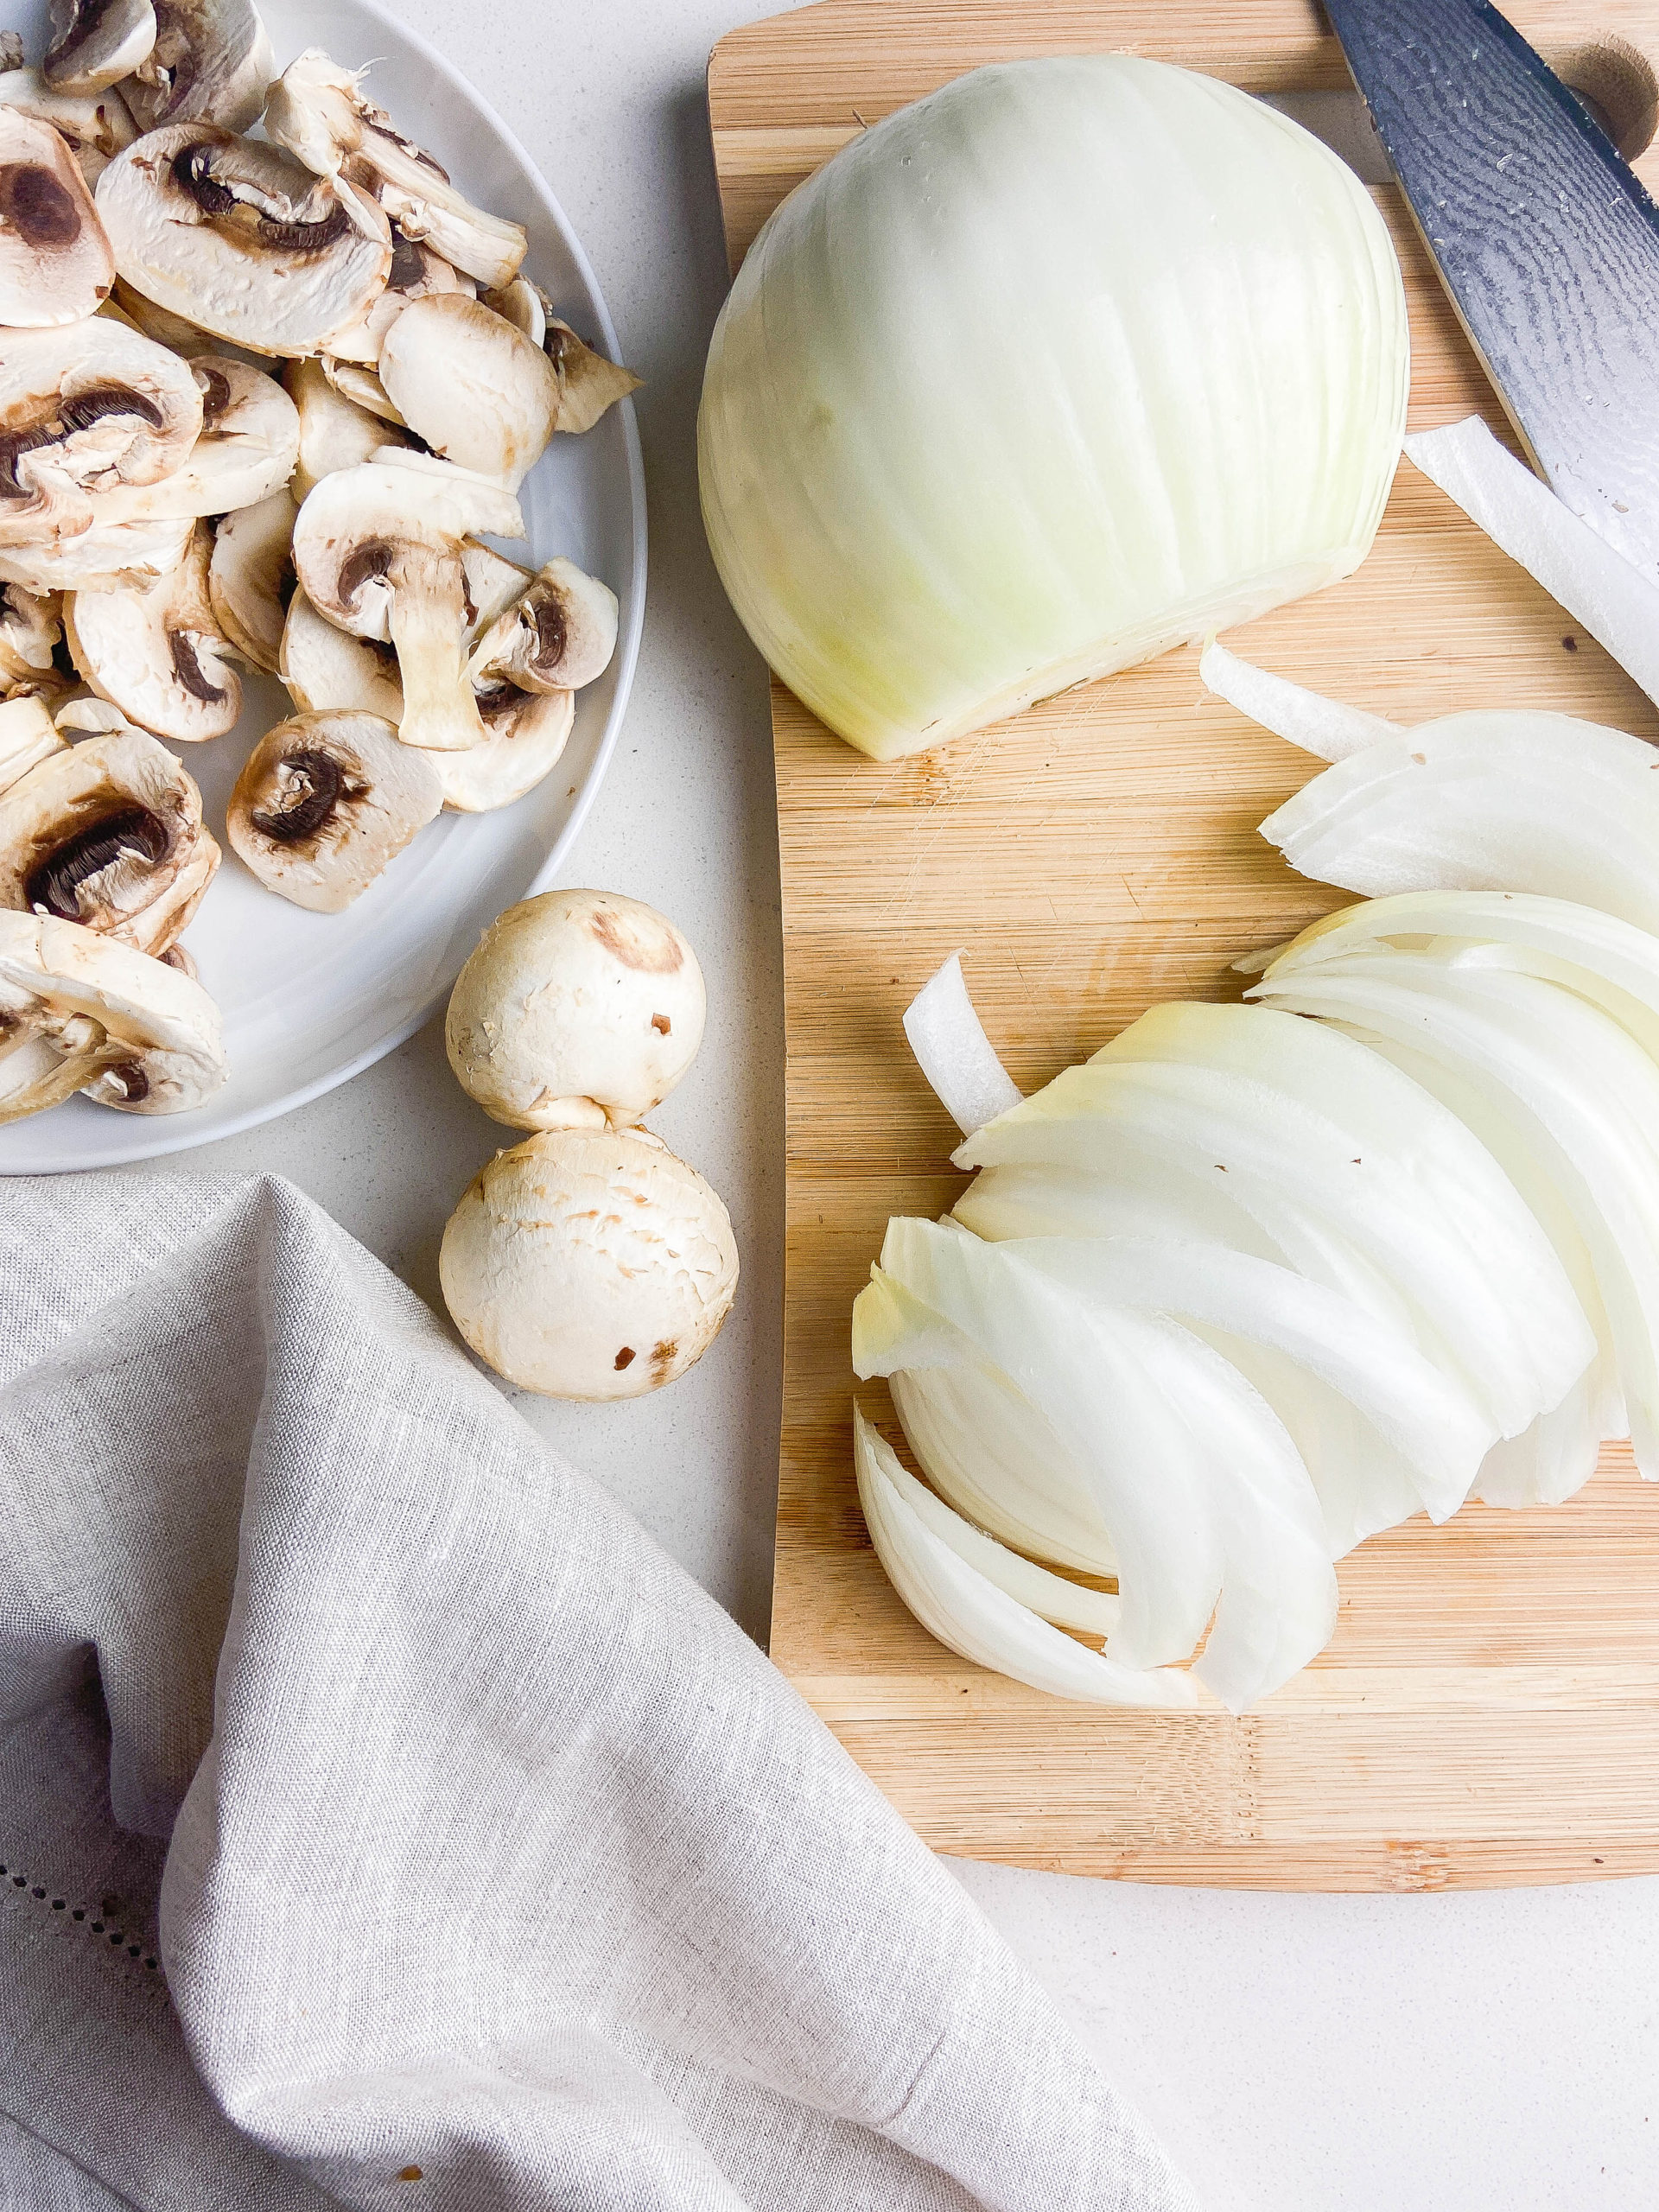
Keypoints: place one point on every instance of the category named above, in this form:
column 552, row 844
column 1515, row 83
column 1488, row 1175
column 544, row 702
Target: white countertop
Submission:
column 1493, row 2052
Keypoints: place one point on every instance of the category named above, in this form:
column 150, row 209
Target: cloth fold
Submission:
column 485, row 1863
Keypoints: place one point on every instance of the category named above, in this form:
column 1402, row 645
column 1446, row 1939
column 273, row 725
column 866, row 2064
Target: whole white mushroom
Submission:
column 577, row 1009
column 589, row 1263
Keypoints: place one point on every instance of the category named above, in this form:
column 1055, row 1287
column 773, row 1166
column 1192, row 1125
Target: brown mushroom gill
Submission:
column 98, row 402
column 496, row 701
column 188, row 669
column 215, row 396
column 551, row 630
column 312, row 785
column 55, row 884
column 408, row 262
column 33, row 203
column 243, row 206
column 130, row 1079
column 370, row 563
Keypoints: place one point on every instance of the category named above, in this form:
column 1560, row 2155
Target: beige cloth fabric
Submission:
column 358, row 1750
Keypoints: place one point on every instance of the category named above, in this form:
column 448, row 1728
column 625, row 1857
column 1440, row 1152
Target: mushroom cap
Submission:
column 589, row 1263
column 353, row 523
column 325, row 802
column 108, row 834
column 251, row 577
column 325, row 667
column 417, row 271
column 160, row 1044
column 589, row 384
column 211, row 62
column 91, row 43
column 55, row 262
column 318, row 110
column 575, row 1006
column 237, row 237
column 85, row 409
column 524, row 732
column 471, row 385
column 27, row 736
column 30, row 626
column 156, row 652
column 559, row 635
column 334, row 431
column 94, row 126
column 112, row 556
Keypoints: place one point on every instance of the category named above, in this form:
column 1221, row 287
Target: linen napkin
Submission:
column 387, row 1821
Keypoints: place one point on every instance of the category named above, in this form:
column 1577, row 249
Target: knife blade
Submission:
column 1544, row 236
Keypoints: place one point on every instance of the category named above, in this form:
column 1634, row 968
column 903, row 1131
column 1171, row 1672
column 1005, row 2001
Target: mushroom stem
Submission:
column 37, row 1072
column 428, row 621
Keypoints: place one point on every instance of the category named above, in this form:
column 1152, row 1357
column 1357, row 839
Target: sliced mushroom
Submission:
column 334, row 431
column 251, row 577
column 241, row 239
column 524, row 732
column 27, row 736
column 83, row 410
column 363, row 388
column 250, row 440
column 524, row 305
column 494, row 583
column 94, row 126
column 325, row 802
column 589, row 384
column 110, row 558
column 417, row 272
column 325, row 667
column 379, row 549
column 211, row 62
column 30, row 627
column 558, row 637
column 318, row 112
column 109, row 834
column 46, row 1053
column 55, row 262
column 81, row 712
column 157, row 652
column 11, row 50
column 78, row 1012
column 91, row 43
column 471, row 385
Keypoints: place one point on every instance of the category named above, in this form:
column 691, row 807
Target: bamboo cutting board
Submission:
column 1488, row 1710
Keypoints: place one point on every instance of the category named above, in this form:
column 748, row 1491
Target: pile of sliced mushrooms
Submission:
column 262, row 401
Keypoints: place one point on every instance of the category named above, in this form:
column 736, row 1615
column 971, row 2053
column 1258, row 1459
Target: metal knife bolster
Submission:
column 1545, row 238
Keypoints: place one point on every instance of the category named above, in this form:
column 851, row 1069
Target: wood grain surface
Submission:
column 1488, row 1711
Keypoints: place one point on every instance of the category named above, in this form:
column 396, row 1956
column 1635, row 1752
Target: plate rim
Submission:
column 170, row 1137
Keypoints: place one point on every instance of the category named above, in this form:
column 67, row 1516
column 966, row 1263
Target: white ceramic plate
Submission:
column 311, row 999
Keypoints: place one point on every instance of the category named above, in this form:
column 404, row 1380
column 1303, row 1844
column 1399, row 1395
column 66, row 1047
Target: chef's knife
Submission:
column 1545, row 240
